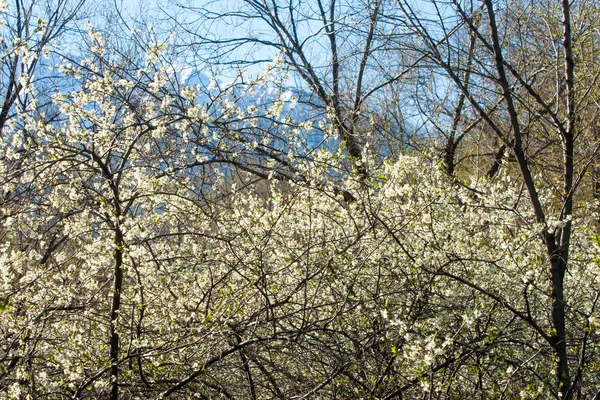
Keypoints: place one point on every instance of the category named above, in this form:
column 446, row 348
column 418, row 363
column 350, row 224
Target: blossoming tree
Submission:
column 167, row 240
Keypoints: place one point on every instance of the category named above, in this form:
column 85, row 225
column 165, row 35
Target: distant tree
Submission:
column 345, row 54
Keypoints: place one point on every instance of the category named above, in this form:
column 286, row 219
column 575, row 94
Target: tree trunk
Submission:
column 114, row 313
column 558, row 267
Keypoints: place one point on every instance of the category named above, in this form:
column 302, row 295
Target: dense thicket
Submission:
column 402, row 204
